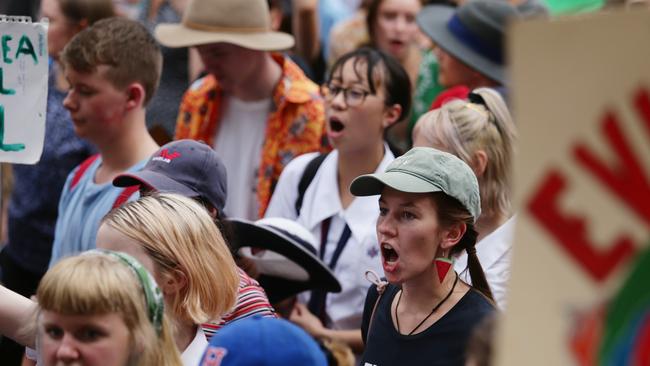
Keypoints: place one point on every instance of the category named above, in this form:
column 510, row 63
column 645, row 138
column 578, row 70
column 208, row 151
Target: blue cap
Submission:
column 261, row 341
column 186, row 167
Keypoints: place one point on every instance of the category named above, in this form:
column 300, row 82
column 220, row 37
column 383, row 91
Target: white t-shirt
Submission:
column 238, row 142
column 321, row 200
column 192, row 354
column 495, row 254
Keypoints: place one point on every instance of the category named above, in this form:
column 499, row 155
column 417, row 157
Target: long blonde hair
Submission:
column 462, row 128
column 178, row 234
column 100, row 284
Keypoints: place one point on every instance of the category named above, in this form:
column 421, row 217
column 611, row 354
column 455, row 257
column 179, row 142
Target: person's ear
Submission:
column 479, row 162
column 82, row 24
column 136, row 95
column 173, row 282
column 391, row 115
column 452, row 235
column 276, row 18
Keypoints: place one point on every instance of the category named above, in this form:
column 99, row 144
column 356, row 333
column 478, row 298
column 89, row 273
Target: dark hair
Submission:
column 450, row 211
column 481, row 343
column 124, row 45
column 371, row 18
column 221, row 221
column 392, row 76
column 89, row 10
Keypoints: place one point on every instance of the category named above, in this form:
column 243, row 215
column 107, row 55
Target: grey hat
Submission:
column 474, row 33
column 187, row 167
column 425, row 170
column 532, row 9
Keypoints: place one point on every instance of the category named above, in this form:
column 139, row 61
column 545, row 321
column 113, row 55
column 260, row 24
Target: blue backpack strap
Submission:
column 306, row 179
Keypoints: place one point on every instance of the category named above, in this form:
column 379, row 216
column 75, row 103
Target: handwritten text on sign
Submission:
column 23, row 91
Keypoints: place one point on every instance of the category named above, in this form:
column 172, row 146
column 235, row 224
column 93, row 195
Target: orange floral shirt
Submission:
column 295, row 126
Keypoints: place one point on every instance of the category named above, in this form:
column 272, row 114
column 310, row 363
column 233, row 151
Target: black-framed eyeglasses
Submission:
column 353, row 96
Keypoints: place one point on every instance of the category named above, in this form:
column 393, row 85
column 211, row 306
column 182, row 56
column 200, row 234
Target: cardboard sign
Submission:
column 23, row 90
column 581, row 98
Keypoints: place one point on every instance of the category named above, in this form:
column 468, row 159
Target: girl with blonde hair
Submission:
column 480, row 132
column 98, row 308
column 175, row 239
column 86, row 297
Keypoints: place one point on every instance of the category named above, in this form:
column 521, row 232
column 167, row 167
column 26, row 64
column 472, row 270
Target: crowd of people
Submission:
column 248, row 182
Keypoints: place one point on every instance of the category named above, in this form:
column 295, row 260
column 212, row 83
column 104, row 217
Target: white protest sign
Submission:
column 23, row 89
column 579, row 292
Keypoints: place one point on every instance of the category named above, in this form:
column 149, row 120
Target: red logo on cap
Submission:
column 166, row 156
column 214, row 356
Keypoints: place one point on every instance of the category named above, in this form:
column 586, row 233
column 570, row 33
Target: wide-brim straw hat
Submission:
column 245, row 23
column 474, row 33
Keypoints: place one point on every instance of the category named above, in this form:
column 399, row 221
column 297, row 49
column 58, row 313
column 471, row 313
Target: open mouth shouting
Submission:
column 396, row 45
column 336, row 127
column 390, row 258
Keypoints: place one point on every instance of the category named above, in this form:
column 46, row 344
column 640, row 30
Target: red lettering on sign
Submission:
column 626, row 178
column 642, row 104
column 570, row 231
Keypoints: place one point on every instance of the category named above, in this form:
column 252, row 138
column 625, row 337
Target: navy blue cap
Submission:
column 186, row 167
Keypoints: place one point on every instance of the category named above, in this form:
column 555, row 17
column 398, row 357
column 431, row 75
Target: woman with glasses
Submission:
column 366, row 92
column 482, row 134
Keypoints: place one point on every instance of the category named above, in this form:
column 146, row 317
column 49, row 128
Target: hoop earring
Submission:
column 443, row 264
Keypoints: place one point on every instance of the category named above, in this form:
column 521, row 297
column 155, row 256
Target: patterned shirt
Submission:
column 295, row 125
column 251, row 300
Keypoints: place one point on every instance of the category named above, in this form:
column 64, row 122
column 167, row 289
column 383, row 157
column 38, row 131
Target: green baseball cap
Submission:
column 425, row 170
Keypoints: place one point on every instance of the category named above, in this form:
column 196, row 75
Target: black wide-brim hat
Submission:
column 474, row 33
column 292, row 265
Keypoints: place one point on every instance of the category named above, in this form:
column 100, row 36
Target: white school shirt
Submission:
column 192, row 354
column 321, row 200
column 238, row 142
column 495, row 254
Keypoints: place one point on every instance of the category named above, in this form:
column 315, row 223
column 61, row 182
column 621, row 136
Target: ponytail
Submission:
column 450, row 212
column 479, row 282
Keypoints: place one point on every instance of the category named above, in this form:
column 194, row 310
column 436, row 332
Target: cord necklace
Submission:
column 432, row 310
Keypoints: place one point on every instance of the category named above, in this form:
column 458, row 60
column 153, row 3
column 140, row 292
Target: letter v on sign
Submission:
column 627, row 181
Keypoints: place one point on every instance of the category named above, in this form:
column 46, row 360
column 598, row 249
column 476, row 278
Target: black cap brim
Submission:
column 155, row 181
column 248, row 234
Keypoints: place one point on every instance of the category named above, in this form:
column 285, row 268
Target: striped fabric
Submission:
column 251, row 300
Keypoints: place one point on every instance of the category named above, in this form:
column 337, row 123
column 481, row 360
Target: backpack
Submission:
column 83, row 167
column 306, row 179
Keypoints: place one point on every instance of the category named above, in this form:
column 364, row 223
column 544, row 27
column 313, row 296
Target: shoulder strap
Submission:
column 81, row 170
column 306, row 179
column 125, row 195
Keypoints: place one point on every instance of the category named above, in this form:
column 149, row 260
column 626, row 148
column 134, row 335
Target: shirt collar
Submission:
column 361, row 215
column 294, row 86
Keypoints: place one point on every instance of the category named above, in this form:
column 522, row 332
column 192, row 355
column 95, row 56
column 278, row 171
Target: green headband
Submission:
column 152, row 294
